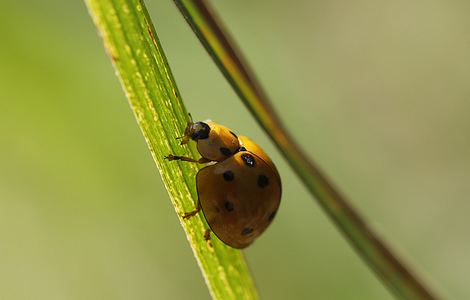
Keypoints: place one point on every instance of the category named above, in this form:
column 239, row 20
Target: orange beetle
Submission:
column 240, row 193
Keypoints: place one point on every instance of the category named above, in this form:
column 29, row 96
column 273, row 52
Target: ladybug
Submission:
column 240, row 191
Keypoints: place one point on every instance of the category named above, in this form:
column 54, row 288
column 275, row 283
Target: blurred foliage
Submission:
column 383, row 87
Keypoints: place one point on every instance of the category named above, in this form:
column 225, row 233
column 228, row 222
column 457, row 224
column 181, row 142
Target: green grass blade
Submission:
column 131, row 42
column 401, row 281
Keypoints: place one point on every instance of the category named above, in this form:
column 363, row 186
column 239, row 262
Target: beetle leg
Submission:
column 192, row 213
column 207, row 234
column 207, row 237
column 202, row 160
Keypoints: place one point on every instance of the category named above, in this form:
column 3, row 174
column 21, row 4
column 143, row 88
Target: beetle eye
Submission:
column 200, row 131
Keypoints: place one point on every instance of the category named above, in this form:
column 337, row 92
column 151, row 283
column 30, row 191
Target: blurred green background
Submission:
column 376, row 91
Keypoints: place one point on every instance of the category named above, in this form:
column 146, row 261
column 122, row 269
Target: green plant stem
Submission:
column 132, row 43
column 393, row 273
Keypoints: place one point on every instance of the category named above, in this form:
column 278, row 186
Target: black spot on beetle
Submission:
column 263, row 181
column 201, row 131
column 229, row 206
column 247, row 231
column 241, row 149
column 225, row 151
column 248, row 159
column 271, row 216
column 228, row 175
